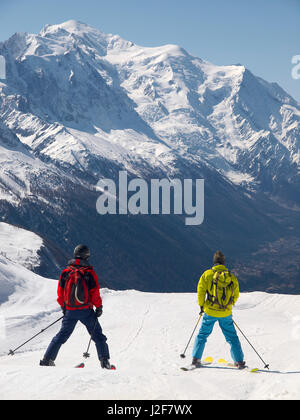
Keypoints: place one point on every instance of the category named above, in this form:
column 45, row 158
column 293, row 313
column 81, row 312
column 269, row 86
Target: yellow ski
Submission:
column 231, row 365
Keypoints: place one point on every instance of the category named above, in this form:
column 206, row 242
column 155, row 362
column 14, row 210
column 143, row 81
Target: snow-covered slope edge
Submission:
column 19, row 245
column 28, row 249
column 146, row 333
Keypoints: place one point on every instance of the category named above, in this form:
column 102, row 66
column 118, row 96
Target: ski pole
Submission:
column 87, row 354
column 183, row 354
column 266, row 365
column 12, row 352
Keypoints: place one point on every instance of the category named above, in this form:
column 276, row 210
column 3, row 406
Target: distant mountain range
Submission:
column 78, row 105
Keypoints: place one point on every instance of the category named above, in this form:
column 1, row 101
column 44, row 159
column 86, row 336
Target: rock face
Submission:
column 78, row 105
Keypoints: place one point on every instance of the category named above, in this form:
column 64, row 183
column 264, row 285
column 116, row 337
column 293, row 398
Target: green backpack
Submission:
column 220, row 291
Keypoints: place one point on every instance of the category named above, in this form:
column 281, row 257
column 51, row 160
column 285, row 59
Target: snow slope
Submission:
column 146, row 333
column 20, row 245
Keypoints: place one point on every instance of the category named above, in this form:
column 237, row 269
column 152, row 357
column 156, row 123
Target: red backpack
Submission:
column 76, row 291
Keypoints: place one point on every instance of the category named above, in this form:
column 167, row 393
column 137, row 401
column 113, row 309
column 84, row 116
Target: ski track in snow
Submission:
column 137, row 333
column 146, row 333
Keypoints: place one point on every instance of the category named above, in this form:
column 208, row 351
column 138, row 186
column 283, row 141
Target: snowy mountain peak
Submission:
column 70, row 26
column 87, row 103
column 74, row 33
column 101, row 82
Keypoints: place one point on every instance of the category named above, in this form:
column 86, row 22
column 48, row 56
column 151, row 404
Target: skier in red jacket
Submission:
column 78, row 292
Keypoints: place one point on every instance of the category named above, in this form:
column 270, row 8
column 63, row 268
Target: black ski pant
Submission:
column 88, row 318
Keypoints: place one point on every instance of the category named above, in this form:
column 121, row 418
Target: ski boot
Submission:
column 46, row 362
column 106, row 365
column 240, row 365
column 196, row 362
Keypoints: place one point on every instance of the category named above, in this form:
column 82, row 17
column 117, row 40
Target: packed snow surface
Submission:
column 146, row 333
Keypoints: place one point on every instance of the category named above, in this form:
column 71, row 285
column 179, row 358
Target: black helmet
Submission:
column 82, row 252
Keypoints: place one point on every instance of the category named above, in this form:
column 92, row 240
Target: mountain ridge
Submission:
column 85, row 105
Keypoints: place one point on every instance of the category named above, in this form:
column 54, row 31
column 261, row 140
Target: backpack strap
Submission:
column 211, row 296
column 231, row 285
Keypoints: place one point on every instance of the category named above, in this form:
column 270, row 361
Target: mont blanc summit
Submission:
column 79, row 105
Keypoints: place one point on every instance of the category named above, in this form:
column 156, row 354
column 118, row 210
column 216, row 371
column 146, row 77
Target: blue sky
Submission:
column 263, row 35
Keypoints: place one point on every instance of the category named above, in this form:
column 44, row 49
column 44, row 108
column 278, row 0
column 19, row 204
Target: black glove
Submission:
column 99, row 311
column 201, row 310
column 63, row 310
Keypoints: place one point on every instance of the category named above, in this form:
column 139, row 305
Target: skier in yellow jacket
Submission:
column 218, row 291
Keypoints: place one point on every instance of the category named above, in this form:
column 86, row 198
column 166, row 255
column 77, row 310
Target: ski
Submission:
column 80, row 366
column 233, row 366
column 208, row 361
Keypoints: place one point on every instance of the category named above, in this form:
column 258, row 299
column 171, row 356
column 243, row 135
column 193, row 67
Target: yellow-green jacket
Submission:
column 205, row 287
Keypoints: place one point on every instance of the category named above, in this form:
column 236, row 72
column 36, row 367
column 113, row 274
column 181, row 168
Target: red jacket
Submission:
column 92, row 283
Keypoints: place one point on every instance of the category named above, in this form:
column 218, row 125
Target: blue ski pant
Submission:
column 227, row 327
column 88, row 318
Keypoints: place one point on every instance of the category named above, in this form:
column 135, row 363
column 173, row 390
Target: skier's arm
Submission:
column 94, row 290
column 202, row 289
column 60, row 288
